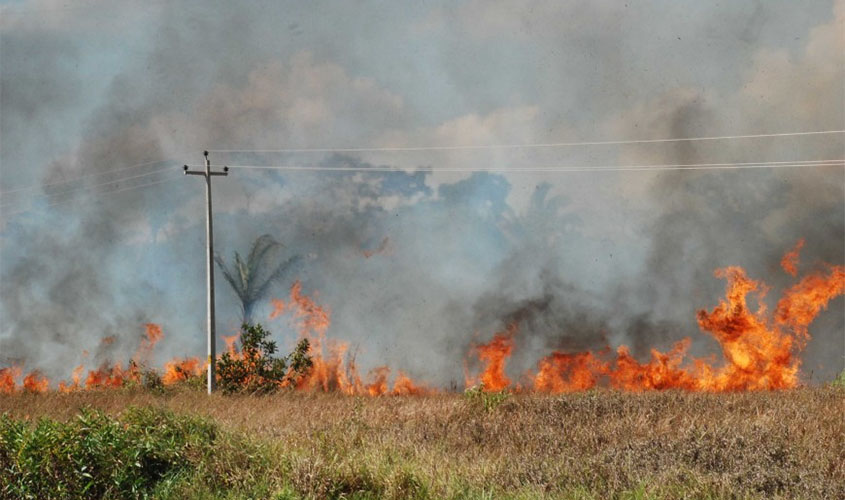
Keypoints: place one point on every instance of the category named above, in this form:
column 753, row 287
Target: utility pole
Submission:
column 212, row 339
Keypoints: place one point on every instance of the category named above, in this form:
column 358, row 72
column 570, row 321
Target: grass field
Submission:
column 599, row 444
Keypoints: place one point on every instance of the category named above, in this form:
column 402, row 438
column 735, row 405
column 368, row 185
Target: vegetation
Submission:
column 839, row 381
column 597, row 444
column 97, row 456
column 254, row 368
column 252, row 277
column 488, row 400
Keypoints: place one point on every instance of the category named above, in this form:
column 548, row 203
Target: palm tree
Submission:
column 251, row 278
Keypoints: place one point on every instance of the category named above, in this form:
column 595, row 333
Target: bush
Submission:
column 488, row 400
column 97, row 456
column 255, row 369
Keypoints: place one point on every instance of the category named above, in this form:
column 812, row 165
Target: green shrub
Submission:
column 98, row 456
column 255, row 369
column 488, row 400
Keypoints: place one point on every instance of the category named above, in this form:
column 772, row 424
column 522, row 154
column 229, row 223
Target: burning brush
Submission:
column 758, row 350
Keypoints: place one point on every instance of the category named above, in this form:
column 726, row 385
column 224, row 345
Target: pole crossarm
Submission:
column 212, row 337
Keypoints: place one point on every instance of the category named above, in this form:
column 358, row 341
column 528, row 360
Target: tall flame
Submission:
column 758, row 348
column 8, row 376
column 494, row 356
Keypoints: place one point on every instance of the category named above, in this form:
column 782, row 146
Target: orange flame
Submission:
column 758, row 348
column 151, row 337
column 494, row 355
column 178, row 370
column 75, row 377
column 35, row 382
column 333, row 370
column 230, row 340
column 789, row 262
column 7, row 379
column 561, row 372
column 802, row 302
column 112, row 376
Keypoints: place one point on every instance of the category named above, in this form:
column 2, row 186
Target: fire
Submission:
column 230, row 340
column 35, row 382
column 111, row 376
column 663, row 370
column 563, row 372
column 494, row 355
column 789, row 262
column 802, row 302
column 179, row 370
column 334, row 369
column 758, row 354
column 75, row 377
column 404, row 386
column 758, row 348
column 7, row 379
column 151, row 337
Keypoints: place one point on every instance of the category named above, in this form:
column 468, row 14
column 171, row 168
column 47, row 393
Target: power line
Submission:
column 79, row 189
column 88, row 200
column 597, row 168
column 525, row 146
column 693, row 166
column 94, row 174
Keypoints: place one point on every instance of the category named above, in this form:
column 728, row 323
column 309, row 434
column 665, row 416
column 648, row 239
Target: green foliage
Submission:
column 97, row 456
column 488, row 400
column 255, row 369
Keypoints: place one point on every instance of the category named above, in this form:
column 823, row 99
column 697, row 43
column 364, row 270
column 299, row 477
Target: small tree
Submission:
column 255, row 369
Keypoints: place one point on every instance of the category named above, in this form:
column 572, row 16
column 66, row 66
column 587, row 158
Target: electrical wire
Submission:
column 661, row 167
column 94, row 174
column 109, row 192
column 525, row 146
column 79, row 189
column 596, row 168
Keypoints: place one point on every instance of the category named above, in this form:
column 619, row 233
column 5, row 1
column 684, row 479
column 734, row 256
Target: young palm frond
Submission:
column 251, row 279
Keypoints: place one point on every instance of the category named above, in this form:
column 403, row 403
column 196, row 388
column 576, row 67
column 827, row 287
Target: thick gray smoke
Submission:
column 415, row 266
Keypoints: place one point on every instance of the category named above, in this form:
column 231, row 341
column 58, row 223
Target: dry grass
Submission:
column 593, row 445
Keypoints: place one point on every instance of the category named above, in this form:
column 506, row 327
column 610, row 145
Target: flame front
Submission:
column 758, row 350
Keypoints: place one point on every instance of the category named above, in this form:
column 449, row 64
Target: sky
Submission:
column 102, row 102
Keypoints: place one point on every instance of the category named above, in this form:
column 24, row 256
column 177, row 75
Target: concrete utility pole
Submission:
column 212, row 338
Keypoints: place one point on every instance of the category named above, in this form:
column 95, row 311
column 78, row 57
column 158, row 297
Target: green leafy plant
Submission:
column 254, row 368
column 98, row 456
column 476, row 395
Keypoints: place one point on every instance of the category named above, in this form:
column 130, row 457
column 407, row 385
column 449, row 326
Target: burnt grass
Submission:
column 597, row 444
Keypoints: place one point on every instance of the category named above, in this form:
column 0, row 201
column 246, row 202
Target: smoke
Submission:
column 580, row 260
